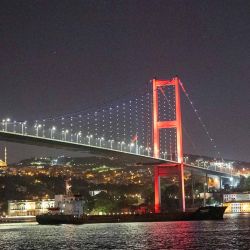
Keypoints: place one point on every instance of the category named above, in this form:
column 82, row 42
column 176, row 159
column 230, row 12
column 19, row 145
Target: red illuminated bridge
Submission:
column 145, row 130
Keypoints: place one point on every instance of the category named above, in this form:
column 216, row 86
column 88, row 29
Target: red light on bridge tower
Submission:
column 157, row 125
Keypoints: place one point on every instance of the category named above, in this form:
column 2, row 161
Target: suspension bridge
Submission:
column 146, row 129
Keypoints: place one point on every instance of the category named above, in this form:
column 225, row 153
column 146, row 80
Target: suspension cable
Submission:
column 212, row 141
column 184, row 129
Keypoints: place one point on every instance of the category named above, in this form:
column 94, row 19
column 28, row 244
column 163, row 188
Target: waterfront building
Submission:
column 29, row 207
column 237, row 203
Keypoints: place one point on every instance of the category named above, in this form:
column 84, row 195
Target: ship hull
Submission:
column 203, row 213
column 48, row 219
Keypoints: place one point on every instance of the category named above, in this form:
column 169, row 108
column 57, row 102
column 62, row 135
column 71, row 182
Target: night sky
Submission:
column 60, row 56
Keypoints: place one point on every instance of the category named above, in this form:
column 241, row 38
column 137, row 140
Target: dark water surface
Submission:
column 231, row 233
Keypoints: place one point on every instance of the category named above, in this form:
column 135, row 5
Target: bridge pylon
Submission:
column 167, row 169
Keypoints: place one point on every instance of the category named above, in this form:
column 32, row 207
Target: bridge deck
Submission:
column 127, row 157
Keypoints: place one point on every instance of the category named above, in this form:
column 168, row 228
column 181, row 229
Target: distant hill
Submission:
column 95, row 161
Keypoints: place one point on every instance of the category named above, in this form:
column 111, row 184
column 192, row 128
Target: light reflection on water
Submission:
column 231, row 233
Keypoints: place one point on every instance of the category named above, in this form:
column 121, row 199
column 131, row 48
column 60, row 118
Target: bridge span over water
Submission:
column 144, row 131
column 135, row 159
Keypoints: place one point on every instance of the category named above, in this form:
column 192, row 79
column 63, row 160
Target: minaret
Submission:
column 5, row 155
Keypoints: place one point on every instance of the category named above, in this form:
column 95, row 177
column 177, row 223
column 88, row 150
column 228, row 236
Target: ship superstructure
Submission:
column 68, row 204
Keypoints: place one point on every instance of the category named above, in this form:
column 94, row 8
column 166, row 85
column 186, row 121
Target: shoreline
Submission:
column 17, row 219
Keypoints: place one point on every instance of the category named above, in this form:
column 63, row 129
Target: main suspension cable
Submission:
column 212, row 141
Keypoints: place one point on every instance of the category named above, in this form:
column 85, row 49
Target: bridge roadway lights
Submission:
column 167, row 170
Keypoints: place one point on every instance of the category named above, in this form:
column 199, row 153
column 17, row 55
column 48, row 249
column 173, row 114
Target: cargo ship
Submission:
column 202, row 213
column 69, row 209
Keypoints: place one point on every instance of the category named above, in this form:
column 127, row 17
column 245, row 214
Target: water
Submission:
column 231, row 233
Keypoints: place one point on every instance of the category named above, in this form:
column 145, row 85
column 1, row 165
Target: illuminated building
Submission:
column 2, row 164
column 245, row 172
column 237, row 203
column 29, row 207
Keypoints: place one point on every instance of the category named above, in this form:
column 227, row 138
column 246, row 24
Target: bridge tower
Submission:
column 167, row 169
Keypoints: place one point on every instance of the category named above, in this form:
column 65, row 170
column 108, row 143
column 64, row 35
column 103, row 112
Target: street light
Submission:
column 121, row 143
column 5, row 123
column 14, row 127
column 22, row 125
column 78, row 135
column 164, row 154
column 89, row 137
column 43, row 130
column 100, row 141
column 65, row 134
column 111, row 143
column 130, row 147
column 140, row 147
column 148, row 149
column 186, row 158
column 25, row 130
column 37, row 126
column 52, row 130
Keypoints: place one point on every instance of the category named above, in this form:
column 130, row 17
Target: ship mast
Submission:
column 68, row 186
